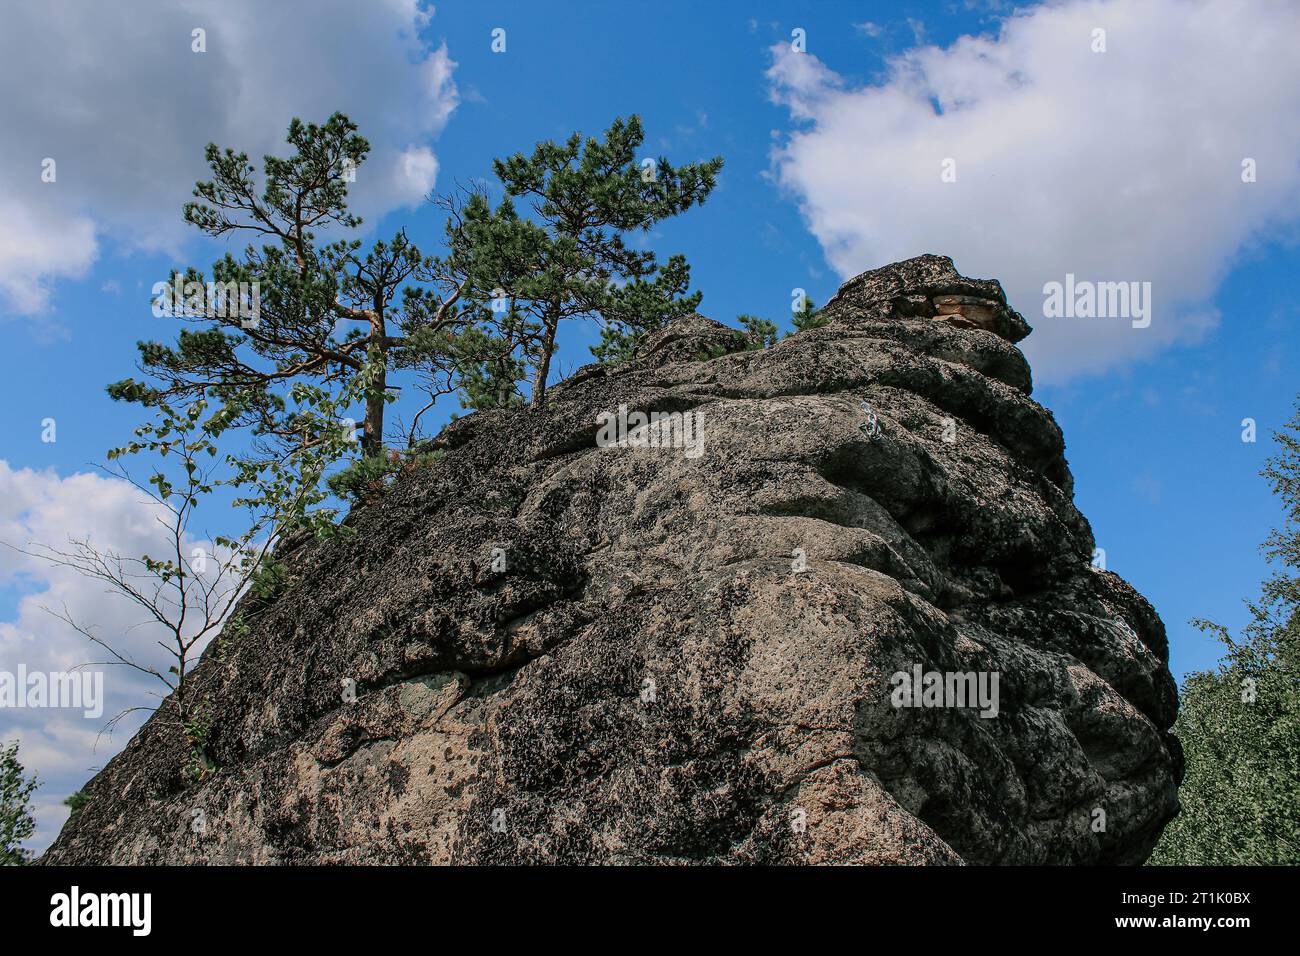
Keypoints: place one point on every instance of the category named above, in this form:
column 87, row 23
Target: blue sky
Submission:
column 1075, row 179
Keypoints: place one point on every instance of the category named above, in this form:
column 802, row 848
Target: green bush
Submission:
column 1240, row 723
column 75, row 802
column 16, row 822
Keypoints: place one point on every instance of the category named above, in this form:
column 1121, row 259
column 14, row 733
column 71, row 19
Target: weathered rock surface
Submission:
column 652, row 678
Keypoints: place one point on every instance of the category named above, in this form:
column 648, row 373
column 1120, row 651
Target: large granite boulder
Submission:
column 580, row 639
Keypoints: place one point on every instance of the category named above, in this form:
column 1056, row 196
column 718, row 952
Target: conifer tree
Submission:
column 323, row 313
column 288, row 336
column 760, row 333
column 808, row 317
column 586, row 196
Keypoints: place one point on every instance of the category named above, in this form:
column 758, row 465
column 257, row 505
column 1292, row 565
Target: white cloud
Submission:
column 125, row 107
column 63, row 746
column 418, row 170
column 38, row 246
column 1122, row 165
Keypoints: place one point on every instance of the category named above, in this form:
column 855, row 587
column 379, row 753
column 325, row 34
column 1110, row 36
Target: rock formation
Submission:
column 571, row 650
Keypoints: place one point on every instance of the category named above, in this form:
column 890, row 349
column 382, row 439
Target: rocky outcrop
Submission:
column 569, row 645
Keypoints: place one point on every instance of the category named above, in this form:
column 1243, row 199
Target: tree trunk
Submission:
column 544, row 364
column 372, row 438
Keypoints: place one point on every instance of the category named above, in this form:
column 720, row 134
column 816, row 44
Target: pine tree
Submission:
column 291, row 334
column 294, row 310
column 808, row 317
column 761, row 333
column 586, row 196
